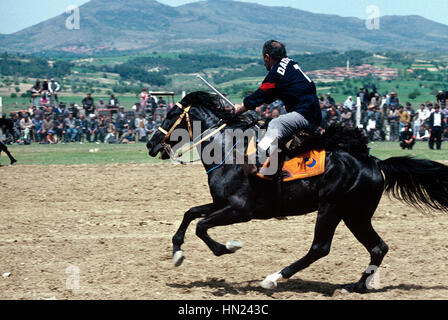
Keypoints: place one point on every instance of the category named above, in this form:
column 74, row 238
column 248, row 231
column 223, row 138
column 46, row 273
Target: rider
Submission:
column 287, row 82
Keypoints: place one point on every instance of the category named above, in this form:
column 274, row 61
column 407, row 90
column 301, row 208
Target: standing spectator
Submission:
column 436, row 126
column 70, row 128
column 346, row 117
column 113, row 102
column 394, row 100
column 45, row 87
column 88, row 105
column 349, row 104
column 143, row 99
column 393, row 118
column 407, row 138
column 441, row 98
column 421, row 116
column 54, row 88
column 36, row 91
column 330, row 100
column 100, row 105
column 371, row 127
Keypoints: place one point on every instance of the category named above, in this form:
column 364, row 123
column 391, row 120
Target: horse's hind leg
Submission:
column 223, row 217
column 328, row 219
column 5, row 149
column 178, row 238
column 362, row 229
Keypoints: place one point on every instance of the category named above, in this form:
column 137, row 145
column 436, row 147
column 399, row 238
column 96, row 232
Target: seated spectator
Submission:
column 162, row 103
column 70, row 128
column 26, row 126
column 333, row 116
column 37, row 130
column 81, row 128
column 128, row 137
column 407, row 138
column 51, row 138
column 92, row 129
column 47, row 125
column 423, row 133
column 59, row 127
column 128, row 124
column 102, row 128
column 73, row 109
column 44, row 101
column 330, row 100
column 111, row 136
column 141, row 127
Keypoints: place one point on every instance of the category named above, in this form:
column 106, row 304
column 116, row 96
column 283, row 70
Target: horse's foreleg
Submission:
column 223, row 217
column 327, row 220
column 178, row 238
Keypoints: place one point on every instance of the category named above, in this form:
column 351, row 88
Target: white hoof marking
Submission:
column 271, row 281
column 234, row 245
column 178, row 258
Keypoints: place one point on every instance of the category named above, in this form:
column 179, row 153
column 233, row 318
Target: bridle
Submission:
column 186, row 115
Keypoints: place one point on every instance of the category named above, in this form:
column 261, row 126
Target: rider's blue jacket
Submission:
column 287, row 82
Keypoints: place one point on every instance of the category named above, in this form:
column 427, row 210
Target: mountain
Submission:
column 220, row 25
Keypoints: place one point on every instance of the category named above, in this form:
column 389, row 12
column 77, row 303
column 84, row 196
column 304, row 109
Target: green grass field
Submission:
column 69, row 154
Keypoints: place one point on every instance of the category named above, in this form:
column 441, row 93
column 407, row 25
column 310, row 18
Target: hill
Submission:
column 147, row 25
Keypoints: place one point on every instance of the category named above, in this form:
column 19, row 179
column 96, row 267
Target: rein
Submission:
column 167, row 134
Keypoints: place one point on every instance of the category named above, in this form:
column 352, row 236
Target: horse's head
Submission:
column 160, row 142
column 196, row 106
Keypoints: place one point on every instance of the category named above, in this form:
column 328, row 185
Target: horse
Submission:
column 349, row 190
column 8, row 125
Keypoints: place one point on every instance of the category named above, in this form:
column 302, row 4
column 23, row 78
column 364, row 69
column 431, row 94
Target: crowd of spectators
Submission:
column 49, row 121
column 382, row 117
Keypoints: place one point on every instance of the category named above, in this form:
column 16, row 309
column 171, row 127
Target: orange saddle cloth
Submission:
column 309, row 164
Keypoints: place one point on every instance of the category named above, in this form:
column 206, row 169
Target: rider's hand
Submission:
column 240, row 109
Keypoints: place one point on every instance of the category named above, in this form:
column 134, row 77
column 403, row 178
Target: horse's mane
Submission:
column 211, row 102
column 337, row 138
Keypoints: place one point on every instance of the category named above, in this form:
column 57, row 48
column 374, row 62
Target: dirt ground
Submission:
column 104, row 232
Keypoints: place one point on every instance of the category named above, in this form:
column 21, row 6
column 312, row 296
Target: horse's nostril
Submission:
column 149, row 145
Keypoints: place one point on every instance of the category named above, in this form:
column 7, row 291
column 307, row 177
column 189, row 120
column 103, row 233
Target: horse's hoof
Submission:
column 234, row 245
column 178, row 258
column 271, row 281
column 354, row 288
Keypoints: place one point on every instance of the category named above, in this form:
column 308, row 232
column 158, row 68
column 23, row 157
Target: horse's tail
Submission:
column 417, row 182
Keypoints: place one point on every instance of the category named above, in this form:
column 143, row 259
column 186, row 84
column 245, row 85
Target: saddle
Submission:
column 295, row 164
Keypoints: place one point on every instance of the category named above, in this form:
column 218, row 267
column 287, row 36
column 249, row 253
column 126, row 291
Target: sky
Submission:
column 16, row 15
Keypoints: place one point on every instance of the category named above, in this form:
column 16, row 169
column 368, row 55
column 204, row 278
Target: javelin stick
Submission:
column 216, row 91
